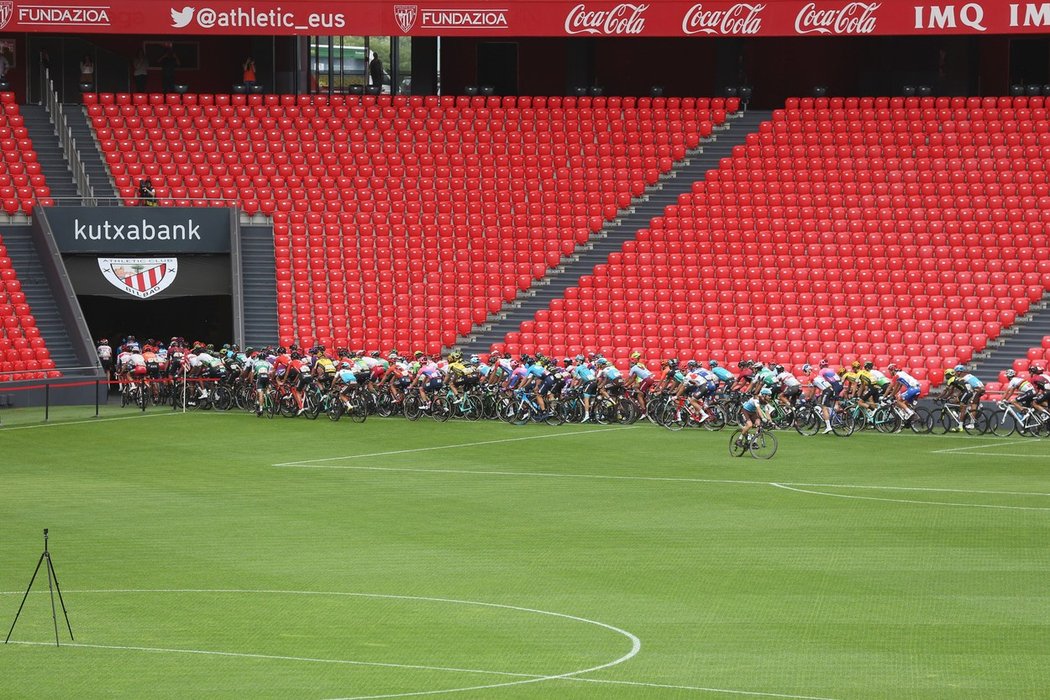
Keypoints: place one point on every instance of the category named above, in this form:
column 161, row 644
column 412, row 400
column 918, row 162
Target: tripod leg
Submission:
column 61, row 602
column 35, row 572
column 51, row 588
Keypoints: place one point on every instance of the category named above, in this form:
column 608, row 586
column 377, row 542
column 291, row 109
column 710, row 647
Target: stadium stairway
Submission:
column 20, row 248
column 90, row 155
column 53, row 164
column 259, row 282
column 612, row 236
column 1027, row 332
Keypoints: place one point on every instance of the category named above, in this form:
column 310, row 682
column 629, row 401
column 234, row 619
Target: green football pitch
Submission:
column 224, row 556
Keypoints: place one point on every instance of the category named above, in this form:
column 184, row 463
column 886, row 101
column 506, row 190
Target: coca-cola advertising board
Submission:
column 587, row 18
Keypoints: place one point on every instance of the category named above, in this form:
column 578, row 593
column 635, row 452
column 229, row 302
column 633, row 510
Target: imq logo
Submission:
column 139, row 277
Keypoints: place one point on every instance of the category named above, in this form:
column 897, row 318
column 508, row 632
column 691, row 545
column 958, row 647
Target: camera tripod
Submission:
column 51, row 577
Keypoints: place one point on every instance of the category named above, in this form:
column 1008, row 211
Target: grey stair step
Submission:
column 611, row 238
column 259, row 281
column 1014, row 342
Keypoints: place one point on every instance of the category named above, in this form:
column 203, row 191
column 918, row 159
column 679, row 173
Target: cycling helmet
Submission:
column 526, row 360
column 713, row 363
column 418, row 353
column 806, row 368
column 823, row 363
column 692, row 363
column 601, row 362
column 948, row 373
column 636, row 355
column 1035, row 369
column 579, row 358
column 960, row 368
column 296, row 356
column 855, row 365
column 374, row 353
column 891, row 368
column 766, row 392
column 778, row 369
column 567, row 361
column 103, row 341
column 672, row 363
column 1010, row 374
column 869, row 365
column 475, row 360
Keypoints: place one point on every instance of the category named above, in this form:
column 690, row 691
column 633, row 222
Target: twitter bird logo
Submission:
column 180, row 18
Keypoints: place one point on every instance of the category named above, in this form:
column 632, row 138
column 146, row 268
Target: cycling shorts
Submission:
column 911, row 394
column 829, row 397
column 262, row 381
column 590, row 388
column 1026, row 398
column 972, row 395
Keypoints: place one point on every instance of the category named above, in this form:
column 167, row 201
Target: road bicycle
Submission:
column 762, row 444
column 809, row 420
column 1007, row 420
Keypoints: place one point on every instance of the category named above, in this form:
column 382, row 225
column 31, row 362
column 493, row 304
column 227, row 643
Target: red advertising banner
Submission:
column 531, row 17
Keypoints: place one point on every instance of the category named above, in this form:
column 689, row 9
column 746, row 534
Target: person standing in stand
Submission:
column 375, row 72
column 169, row 62
column 140, row 70
column 87, row 71
column 249, row 73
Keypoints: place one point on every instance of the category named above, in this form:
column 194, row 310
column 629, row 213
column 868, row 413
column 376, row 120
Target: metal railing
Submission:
column 55, row 109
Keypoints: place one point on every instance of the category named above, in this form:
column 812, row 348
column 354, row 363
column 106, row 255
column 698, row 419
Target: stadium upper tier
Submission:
column 402, row 220
column 899, row 230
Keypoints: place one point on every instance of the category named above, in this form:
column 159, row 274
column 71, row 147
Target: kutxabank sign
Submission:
column 136, row 230
column 815, row 18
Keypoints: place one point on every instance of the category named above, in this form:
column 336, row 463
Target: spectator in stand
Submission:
column 249, row 73
column 169, row 62
column 140, row 70
column 87, row 71
column 147, row 195
column 375, row 72
column 5, row 65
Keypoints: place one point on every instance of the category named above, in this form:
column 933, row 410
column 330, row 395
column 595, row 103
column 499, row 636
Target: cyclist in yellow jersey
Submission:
column 324, row 369
column 461, row 376
column 953, row 385
column 850, row 380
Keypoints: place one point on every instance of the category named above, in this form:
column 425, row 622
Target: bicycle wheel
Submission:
column 440, row 409
column 470, row 408
column 737, row 448
column 921, row 422
column 412, row 408
column 628, row 411
column 523, row 414
column 672, row 417
column 976, row 424
column 886, row 420
column 763, row 446
column 807, row 423
column 716, row 418
column 842, row 424
column 336, row 408
column 358, row 412
column 1001, row 424
column 555, row 414
column 652, row 410
column 506, row 410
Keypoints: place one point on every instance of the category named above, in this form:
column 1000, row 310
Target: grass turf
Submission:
column 378, row 565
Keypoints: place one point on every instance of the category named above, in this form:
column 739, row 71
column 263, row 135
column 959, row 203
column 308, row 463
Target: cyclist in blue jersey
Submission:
column 973, row 390
column 724, row 375
column 755, row 410
column 588, row 380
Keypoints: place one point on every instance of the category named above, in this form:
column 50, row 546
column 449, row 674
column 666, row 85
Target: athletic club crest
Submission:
column 139, row 277
column 7, row 8
column 406, row 16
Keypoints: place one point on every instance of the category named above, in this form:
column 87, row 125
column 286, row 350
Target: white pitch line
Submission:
column 901, row 500
column 1007, row 454
column 276, row 657
column 672, row 479
column 310, row 462
column 951, row 450
column 749, row 693
column 60, row 423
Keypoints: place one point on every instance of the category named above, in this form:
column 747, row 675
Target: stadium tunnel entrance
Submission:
column 208, row 319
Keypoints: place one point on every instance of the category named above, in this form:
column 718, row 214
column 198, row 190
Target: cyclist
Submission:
column 755, row 410
column 640, row 378
column 1041, row 381
column 461, row 377
column 427, row 380
column 726, row 377
column 587, row 378
column 828, row 395
column 875, row 387
column 906, row 390
column 260, row 369
column 789, row 385
column 610, row 379
column 1019, row 392
column 971, row 397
